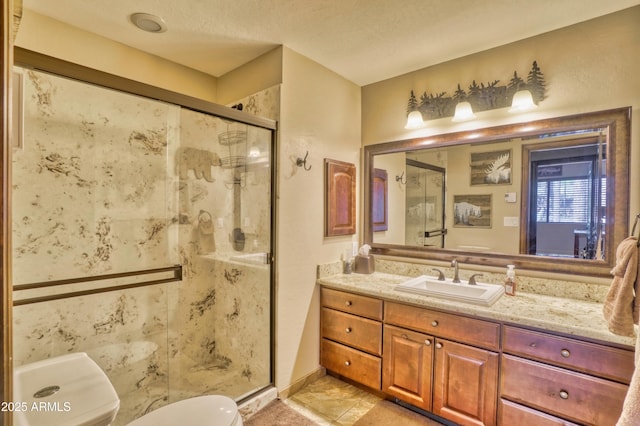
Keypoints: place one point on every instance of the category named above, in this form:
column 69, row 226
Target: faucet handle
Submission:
column 472, row 279
column 440, row 274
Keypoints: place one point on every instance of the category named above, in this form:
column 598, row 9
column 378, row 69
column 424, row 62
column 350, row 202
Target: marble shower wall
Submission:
column 107, row 182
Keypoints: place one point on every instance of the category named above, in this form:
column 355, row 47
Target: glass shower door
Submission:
column 425, row 204
column 221, row 321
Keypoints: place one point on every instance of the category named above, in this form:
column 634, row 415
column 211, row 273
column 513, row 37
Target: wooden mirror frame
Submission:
column 616, row 122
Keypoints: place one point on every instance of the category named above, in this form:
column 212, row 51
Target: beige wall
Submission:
column 264, row 71
column 320, row 114
column 587, row 67
column 50, row 37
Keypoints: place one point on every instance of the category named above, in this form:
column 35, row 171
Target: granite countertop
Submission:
column 570, row 316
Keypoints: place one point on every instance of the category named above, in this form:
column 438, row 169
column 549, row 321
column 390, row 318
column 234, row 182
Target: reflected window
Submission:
column 567, row 198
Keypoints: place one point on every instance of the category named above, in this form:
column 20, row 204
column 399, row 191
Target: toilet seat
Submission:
column 209, row 410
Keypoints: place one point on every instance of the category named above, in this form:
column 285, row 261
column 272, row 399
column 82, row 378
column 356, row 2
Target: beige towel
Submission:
column 621, row 307
column 630, row 415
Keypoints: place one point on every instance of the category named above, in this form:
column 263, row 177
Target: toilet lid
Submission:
column 198, row 411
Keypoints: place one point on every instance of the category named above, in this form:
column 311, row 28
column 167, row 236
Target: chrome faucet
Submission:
column 472, row 279
column 456, row 277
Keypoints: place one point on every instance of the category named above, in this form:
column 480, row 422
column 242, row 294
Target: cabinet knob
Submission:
column 348, row 303
column 348, row 330
column 404, row 336
column 434, row 323
column 427, row 342
column 439, row 345
column 564, row 394
column 565, row 353
column 347, row 363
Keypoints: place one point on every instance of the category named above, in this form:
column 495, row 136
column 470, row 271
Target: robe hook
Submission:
column 300, row 162
column 401, row 179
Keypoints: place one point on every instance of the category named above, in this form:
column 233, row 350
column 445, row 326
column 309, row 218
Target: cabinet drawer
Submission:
column 602, row 361
column 567, row 394
column 353, row 364
column 358, row 332
column 515, row 414
column 468, row 330
column 352, row 303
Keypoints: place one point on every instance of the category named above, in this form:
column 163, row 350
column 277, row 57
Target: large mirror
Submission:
column 549, row 195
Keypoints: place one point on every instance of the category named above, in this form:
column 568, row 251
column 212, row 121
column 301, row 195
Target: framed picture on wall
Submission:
column 472, row 211
column 491, row 168
column 340, row 198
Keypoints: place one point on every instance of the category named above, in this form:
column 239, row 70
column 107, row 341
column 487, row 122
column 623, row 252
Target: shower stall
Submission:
column 142, row 235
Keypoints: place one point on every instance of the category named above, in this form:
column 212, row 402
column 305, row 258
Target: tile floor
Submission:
column 331, row 402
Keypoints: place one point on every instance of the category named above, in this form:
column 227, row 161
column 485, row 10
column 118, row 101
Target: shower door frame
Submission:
column 37, row 61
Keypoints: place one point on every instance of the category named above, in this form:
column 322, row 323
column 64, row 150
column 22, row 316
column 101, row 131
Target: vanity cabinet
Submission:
column 351, row 329
column 469, row 370
column 407, row 366
column 465, row 383
column 458, row 354
column 557, row 378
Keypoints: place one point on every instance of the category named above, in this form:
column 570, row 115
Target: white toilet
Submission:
column 72, row 390
column 210, row 410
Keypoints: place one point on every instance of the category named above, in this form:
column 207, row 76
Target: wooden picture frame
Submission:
column 379, row 204
column 491, row 168
column 340, row 198
column 472, row 211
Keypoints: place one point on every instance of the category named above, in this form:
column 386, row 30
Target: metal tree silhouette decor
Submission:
column 482, row 97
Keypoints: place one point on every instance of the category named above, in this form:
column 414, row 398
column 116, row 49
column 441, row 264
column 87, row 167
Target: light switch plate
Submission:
column 511, row 221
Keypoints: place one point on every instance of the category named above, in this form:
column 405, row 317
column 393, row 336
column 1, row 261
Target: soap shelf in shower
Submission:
column 232, row 137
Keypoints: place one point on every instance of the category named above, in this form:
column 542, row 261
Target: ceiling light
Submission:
column 464, row 112
column 148, row 22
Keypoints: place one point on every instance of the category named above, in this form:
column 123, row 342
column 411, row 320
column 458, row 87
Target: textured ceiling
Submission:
column 365, row 41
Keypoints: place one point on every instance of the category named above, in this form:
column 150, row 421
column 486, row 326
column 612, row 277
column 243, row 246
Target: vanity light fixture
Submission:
column 414, row 120
column 149, row 23
column 414, row 116
column 464, row 112
column 516, row 93
column 522, row 102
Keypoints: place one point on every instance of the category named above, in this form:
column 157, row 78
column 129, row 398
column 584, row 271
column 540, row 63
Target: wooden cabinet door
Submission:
column 465, row 383
column 407, row 363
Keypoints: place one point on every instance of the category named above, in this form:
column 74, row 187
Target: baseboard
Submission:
column 300, row 383
column 249, row 407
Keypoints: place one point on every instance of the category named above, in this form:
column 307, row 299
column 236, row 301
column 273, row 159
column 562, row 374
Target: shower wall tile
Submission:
column 89, row 188
column 124, row 332
column 99, row 188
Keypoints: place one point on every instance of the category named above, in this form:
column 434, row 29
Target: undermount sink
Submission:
column 478, row 294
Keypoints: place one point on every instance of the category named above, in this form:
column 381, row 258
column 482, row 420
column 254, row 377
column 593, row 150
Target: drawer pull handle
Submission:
column 564, row 394
column 347, row 363
column 348, row 330
column 427, row 342
column 434, row 323
column 565, row 353
column 348, row 303
column 439, row 345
